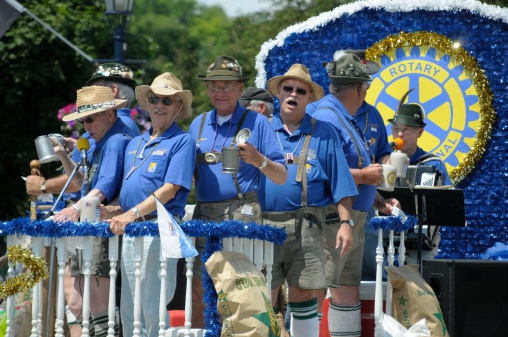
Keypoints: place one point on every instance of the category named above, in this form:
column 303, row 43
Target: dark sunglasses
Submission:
column 155, row 100
column 299, row 91
column 88, row 120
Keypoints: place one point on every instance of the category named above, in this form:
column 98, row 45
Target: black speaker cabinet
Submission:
column 473, row 295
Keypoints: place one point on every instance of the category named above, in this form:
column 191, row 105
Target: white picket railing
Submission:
column 259, row 251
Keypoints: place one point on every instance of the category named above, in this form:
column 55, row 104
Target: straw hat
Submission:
column 225, row 68
column 115, row 72
column 297, row 72
column 348, row 69
column 92, row 100
column 166, row 84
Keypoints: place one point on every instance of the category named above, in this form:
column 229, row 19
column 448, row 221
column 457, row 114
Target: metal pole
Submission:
column 119, row 39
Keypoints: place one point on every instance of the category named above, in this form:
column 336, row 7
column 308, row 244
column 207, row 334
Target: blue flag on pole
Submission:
column 174, row 242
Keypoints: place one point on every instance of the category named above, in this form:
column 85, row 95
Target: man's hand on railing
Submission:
column 118, row 223
column 67, row 214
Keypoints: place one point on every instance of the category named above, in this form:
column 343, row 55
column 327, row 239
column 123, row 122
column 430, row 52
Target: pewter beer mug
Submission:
column 230, row 159
column 45, row 150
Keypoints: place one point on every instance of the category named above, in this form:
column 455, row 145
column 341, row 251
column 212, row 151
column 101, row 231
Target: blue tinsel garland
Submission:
column 393, row 223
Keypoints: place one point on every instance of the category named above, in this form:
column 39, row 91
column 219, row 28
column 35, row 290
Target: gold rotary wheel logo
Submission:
column 392, row 176
column 448, row 84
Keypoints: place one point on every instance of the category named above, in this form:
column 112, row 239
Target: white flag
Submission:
column 174, row 242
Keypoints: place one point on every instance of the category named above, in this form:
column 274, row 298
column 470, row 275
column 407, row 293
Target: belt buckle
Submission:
column 211, row 157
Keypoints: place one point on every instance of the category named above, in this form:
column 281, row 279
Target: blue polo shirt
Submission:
column 211, row 184
column 436, row 163
column 328, row 176
column 169, row 158
column 371, row 123
column 111, row 147
column 347, row 130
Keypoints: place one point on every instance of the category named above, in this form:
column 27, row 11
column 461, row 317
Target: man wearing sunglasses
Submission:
column 349, row 77
column 96, row 109
column 229, row 196
column 120, row 79
column 318, row 176
column 158, row 163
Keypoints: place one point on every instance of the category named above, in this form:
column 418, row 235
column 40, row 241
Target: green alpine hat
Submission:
column 348, row 69
column 410, row 114
column 225, row 68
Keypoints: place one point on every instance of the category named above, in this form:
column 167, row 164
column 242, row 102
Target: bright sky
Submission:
column 236, row 7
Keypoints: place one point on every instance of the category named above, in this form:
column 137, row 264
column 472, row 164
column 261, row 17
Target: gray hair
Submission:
column 124, row 91
column 255, row 104
column 341, row 90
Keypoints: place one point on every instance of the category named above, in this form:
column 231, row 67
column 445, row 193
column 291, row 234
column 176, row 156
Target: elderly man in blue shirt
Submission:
column 96, row 110
column 159, row 163
column 318, row 177
column 349, row 78
column 223, row 196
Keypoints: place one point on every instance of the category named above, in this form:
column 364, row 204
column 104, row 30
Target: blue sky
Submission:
column 235, row 7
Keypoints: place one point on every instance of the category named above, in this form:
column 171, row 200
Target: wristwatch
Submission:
column 350, row 222
column 43, row 187
column 264, row 163
column 135, row 210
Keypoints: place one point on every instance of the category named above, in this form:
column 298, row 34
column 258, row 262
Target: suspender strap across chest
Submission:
column 201, row 158
column 301, row 172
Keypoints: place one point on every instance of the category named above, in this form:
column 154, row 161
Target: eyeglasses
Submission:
column 165, row 100
column 88, row 120
column 299, row 91
column 225, row 88
column 397, row 130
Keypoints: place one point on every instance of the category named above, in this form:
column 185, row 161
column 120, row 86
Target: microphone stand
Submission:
column 52, row 250
column 73, row 173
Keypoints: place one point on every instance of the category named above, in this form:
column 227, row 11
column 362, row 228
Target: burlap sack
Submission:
column 243, row 298
column 414, row 299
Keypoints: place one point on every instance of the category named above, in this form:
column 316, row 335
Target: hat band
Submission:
column 96, row 106
column 224, row 73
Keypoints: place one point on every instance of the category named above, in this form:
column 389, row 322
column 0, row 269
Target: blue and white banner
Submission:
column 174, row 243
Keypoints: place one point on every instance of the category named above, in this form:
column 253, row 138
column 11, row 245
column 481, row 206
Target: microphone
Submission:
column 397, row 144
column 83, row 146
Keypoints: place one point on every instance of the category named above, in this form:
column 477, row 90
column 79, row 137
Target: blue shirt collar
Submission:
column 237, row 115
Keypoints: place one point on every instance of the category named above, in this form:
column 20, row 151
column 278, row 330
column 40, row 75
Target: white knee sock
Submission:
column 345, row 320
column 304, row 319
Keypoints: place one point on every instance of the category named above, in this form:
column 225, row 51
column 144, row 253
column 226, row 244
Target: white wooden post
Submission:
column 113, row 258
column 138, row 256
column 61, row 247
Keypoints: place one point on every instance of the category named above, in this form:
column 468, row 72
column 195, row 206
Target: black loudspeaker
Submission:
column 473, row 295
